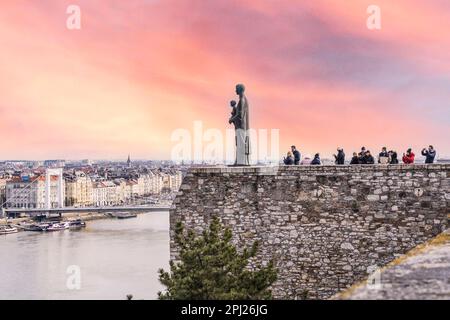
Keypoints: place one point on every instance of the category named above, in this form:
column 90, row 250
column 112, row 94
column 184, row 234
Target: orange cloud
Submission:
column 138, row 70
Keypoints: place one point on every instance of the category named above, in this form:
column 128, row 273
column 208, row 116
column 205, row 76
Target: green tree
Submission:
column 211, row 268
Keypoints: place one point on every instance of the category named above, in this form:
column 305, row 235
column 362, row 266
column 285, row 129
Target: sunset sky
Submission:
column 139, row 69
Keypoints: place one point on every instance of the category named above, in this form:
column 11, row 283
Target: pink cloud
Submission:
column 140, row 69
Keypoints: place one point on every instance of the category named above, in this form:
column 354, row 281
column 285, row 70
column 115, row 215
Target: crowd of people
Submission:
column 293, row 157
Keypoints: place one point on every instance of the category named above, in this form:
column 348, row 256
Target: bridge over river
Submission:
column 14, row 212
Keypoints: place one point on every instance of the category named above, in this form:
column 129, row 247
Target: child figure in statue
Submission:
column 233, row 113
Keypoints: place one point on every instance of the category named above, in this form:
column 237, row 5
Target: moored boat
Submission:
column 35, row 227
column 44, row 226
column 125, row 215
column 77, row 224
column 57, row 227
column 7, row 229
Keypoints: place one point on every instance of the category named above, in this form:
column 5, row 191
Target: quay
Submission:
column 12, row 212
column 87, row 213
column 71, row 211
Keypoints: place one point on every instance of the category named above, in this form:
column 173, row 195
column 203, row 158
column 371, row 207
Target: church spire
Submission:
column 128, row 161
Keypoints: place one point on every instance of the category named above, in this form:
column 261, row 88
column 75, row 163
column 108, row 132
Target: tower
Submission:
column 129, row 162
column 59, row 187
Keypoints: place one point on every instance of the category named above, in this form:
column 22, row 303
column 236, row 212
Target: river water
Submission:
column 109, row 259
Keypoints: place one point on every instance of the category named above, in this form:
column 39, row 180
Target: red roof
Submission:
column 32, row 179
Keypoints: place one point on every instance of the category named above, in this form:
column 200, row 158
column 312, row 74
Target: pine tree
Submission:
column 211, row 268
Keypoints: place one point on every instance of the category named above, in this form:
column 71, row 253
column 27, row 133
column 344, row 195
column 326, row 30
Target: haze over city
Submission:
column 137, row 70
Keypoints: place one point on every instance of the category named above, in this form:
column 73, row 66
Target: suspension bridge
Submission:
column 61, row 209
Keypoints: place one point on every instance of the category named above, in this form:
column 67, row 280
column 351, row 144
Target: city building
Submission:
column 79, row 191
column 54, row 163
column 104, row 183
column 30, row 192
column 100, row 194
column 112, row 195
column 3, row 190
column 129, row 162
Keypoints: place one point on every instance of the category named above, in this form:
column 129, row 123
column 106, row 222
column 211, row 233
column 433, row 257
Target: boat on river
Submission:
column 77, row 224
column 53, row 226
column 36, row 227
column 58, row 226
column 7, row 229
column 125, row 215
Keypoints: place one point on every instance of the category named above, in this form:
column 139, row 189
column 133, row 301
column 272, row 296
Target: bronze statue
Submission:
column 240, row 119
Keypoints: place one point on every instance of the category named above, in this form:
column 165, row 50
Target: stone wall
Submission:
column 323, row 225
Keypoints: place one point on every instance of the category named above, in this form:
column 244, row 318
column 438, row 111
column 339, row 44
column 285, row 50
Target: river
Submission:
column 109, row 259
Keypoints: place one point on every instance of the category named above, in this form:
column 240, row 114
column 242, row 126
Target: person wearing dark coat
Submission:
column 296, row 154
column 355, row 159
column 368, row 159
column 316, row 160
column 362, row 154
column 340, row 157
column 430, row 154
column 288, row 160
column 393, row 159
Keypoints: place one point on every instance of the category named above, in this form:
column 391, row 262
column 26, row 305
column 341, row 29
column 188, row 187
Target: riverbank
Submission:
column 86, row 216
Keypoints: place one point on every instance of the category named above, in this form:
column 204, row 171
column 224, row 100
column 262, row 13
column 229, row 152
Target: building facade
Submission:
column 99, row 194
column 3, row 190
column 25, row 192
column 79, row 190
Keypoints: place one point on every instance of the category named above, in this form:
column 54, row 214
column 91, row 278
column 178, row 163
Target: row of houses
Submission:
column 81, row 190
column 29, row 192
